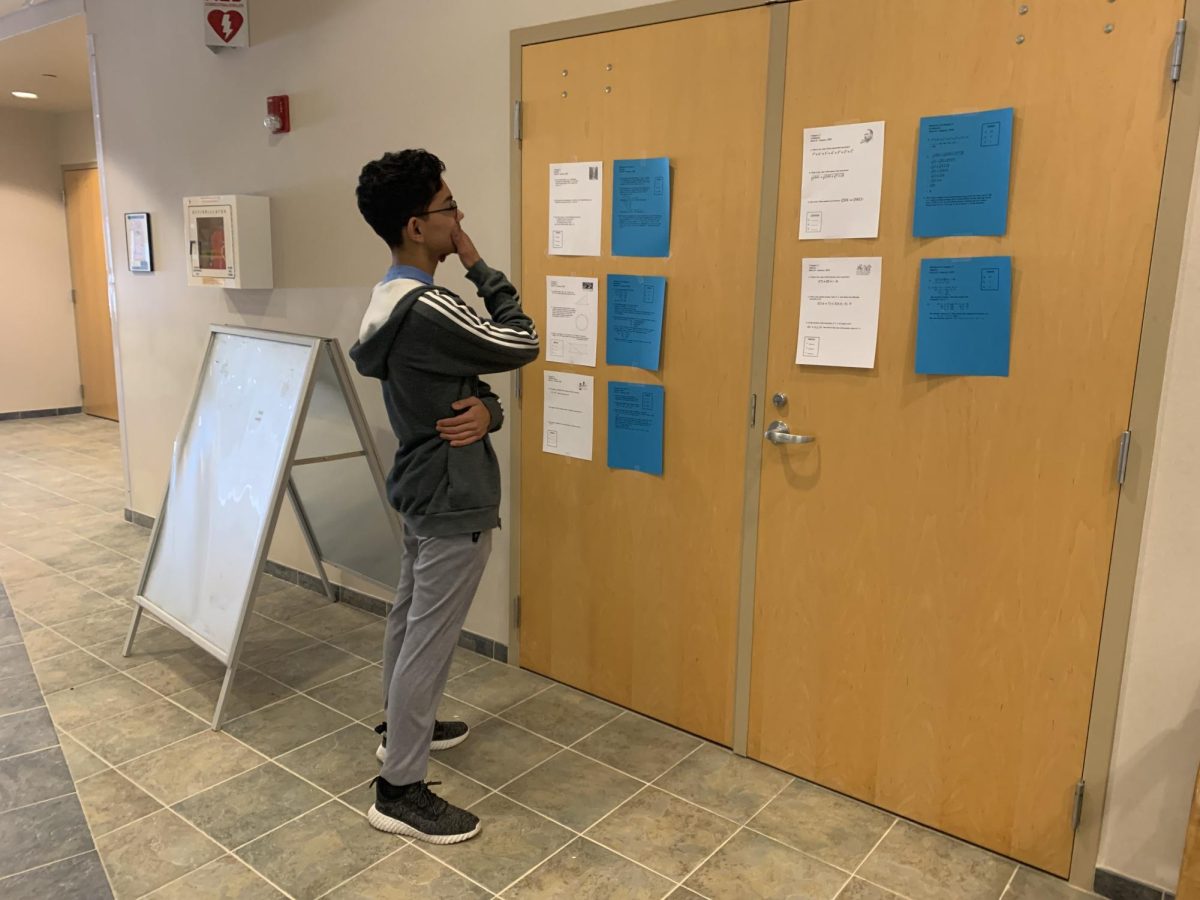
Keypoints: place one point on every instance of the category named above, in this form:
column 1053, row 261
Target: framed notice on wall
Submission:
column 137, row 242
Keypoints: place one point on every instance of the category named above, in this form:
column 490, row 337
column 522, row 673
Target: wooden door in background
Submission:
column 89, row 280
column 629, row 582
column 931, row 572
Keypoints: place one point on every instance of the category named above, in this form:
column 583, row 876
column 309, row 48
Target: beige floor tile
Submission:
column 110, row 801
column 192, row 765
column 118, row 579
column 365, row 642
column 289, row 602
column 285, row 726
column 497, row 752
column 663, row 832
column 179, row 671
column 562, row 714
column 153, row 641
column 512, row 840
column 150, row 853
column 56, row 600
column 267, row 640
column 250, row 691
column 45, row 643
column 751, row 865
column 244, row 808
column 227, row 878
column 585, row 871
column 637, row 745
column 331, row 621
column 311, row 667
column 107, row 625
column 148, row 728
column 96, row 701
column 573, row 790
column 318, row 851
column 925, row 865
column 733, row 786
column 337, row 762
column 81, row 761
column 496, row 686
column 833, row 828
column 68, row 670
column 465, row 661
column 409, row 874
column 356, row 694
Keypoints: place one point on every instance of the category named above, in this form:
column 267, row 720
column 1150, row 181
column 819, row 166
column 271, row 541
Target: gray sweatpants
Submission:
column 437, row 584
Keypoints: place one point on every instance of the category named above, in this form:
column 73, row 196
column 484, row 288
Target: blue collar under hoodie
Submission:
column 429, row 348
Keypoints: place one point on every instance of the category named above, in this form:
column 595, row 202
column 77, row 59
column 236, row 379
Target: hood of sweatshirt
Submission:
column 391, row 302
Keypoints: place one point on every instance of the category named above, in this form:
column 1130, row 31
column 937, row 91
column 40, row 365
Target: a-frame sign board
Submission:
column 272, row 414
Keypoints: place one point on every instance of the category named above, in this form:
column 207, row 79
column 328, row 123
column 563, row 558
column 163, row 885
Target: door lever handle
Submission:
column 779, row 433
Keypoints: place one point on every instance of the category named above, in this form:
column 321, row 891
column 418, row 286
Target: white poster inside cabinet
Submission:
column 229, row 241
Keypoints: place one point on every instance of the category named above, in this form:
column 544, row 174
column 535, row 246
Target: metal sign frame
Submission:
column 283, row 485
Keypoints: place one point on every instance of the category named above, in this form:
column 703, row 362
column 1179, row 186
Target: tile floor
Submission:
column 579, row 798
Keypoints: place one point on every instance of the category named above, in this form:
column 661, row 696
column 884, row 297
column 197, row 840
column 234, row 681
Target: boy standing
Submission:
column 429, row 348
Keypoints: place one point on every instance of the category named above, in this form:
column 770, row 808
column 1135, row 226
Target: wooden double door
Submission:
column 928, row 577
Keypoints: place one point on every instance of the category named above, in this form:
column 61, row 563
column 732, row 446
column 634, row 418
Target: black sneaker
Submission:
column 445, row 736
column 415, row 811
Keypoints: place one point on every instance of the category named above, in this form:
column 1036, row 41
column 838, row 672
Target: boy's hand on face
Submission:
column 471, row 426
column 464, row 247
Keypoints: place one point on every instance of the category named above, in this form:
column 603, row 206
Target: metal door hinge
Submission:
column 753, row 409
column 1177, row 49
column 72, row 295
column 1123, row 456
column 517, row 383
column 1077, row 806
column 516, row 611
column 81, row 392
column 517, row 133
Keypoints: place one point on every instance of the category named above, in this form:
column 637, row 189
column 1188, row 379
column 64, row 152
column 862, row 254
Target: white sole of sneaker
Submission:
column 394, row 826
column 381, row 752
column 448, row 743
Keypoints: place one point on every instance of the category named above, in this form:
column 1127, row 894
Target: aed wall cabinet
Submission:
column 229, row 241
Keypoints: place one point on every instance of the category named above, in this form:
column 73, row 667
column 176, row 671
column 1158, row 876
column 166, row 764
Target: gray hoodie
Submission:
column 429, row 348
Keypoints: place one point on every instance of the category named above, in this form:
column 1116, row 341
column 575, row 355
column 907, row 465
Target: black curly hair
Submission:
column 396, row 187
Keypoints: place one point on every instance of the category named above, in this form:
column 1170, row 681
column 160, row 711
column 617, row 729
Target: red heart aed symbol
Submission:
column 226, row 23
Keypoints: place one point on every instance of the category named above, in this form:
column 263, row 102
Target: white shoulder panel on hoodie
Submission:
column 383, row 300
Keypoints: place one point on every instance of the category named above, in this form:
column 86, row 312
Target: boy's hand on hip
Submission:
column 464, row 247
column 471, row 426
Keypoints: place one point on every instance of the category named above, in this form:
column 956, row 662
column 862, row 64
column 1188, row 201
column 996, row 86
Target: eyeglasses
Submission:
column 453, row 207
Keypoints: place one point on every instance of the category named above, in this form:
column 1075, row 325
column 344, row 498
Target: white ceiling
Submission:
column 59, row 49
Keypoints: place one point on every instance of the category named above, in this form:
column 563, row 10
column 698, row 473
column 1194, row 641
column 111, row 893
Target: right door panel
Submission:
column 931, row 572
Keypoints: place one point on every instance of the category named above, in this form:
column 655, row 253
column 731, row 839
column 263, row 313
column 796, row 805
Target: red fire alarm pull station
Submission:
column 278, row 119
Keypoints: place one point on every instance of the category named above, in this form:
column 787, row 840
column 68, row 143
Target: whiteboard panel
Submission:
column 328, row 427
column 348, row 519
column 225, row 469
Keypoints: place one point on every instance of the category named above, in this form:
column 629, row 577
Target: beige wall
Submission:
column 365, row 76
column 1158, row 727
column 76, row 138
column 39, row 367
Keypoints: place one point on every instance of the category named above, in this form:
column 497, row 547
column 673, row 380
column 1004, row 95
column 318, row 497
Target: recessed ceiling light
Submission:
column 25, row 95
